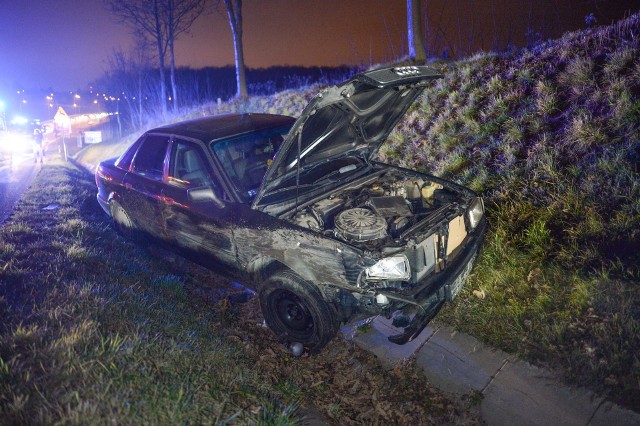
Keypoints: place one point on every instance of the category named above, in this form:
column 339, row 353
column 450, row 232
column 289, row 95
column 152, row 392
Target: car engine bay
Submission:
column 376, row 213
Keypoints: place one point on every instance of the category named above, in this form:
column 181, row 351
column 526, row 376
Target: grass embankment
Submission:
column 96, row 330
column 551, row 137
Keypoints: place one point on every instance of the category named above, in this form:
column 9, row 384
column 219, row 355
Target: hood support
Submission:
column 298, row 166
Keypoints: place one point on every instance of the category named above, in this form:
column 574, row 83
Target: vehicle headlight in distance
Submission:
column 389, row 268
column 475, row 212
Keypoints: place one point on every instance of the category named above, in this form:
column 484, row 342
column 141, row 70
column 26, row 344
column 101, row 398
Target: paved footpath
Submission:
column 513, row 391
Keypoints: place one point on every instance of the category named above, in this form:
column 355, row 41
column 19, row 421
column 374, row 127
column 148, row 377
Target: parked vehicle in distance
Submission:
column 300, row 211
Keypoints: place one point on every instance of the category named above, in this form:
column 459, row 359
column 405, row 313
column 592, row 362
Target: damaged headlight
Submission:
column 389, row 268
column 475, row 212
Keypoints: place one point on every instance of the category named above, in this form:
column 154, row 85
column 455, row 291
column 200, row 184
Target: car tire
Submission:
column 123, row 223
column 296, row 311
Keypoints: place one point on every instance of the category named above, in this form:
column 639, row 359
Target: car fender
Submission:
column 263, row 267
column 114, row 196
column 316, row 259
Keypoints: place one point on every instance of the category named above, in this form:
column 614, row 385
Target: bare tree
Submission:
column 140, row 65
column 128, row 77
column 234, row 11
column 145, row 17
column 180, row 15
column 161, row 21
column 140, row 58
column 414, row 31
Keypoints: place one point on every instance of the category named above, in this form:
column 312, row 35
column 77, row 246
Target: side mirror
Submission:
column 204, row 193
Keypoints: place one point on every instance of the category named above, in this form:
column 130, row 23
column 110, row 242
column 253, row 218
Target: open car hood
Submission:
column 352, row 119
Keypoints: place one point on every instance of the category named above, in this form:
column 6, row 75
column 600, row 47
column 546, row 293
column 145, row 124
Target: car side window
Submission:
column 188, row 167
column 149, row 160
column 124, row 162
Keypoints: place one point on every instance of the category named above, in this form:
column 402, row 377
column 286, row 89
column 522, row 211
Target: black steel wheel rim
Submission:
column 292, row 312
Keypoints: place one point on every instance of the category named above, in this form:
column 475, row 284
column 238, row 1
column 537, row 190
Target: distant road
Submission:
column 15, row 178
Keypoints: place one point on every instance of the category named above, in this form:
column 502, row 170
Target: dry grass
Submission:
column 95, row 329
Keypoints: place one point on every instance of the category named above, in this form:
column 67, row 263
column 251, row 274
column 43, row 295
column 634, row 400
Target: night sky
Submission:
column 63, row 44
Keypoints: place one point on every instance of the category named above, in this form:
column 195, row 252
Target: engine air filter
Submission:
column 360, row 225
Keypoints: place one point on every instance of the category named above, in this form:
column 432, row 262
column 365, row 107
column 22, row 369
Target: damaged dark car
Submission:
column 300, row 211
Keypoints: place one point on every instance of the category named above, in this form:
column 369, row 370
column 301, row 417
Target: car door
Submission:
column 144, row 183
column 201, row 227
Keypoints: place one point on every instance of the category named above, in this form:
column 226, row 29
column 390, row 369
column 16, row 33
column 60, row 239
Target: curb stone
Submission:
column 513, row 391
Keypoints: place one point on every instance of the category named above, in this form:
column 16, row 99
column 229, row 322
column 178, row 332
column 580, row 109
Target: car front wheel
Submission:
column 296, row 311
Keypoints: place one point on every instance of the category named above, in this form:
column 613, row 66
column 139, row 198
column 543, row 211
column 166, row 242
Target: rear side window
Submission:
column 124, row 162
column 149, row 160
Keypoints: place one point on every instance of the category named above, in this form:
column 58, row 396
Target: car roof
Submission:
column 222, row 126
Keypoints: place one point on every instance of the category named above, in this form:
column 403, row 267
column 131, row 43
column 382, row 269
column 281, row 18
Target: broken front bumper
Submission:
column 429, row 296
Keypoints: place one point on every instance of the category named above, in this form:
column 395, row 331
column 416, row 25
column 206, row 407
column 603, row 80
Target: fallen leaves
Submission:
column 346, row 383
column 480, row 294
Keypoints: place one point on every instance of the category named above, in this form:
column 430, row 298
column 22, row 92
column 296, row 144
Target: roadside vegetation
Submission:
column 551, row 137
column 97, row 329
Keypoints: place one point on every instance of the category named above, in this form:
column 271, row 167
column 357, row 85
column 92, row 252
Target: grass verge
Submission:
column 95, row 329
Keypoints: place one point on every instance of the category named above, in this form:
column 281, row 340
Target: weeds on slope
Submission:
column 552, row 139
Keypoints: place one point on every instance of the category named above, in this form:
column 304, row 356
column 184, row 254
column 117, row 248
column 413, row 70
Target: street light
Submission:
column 49, row 99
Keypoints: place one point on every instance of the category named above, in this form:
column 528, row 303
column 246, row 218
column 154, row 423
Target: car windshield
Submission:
column 247, row 158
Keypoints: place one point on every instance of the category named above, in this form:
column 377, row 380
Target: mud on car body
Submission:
column 300, row 211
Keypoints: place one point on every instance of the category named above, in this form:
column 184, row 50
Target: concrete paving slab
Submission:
column 458, row 363
column 609, row 414
column 514, row 392
column 375, row 341
column 523, row 394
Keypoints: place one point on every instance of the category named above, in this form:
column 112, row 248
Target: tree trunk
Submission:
column 159, row 39
column 140, row 119
column 172, row 57
column 234, row 10
column 414, row 31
